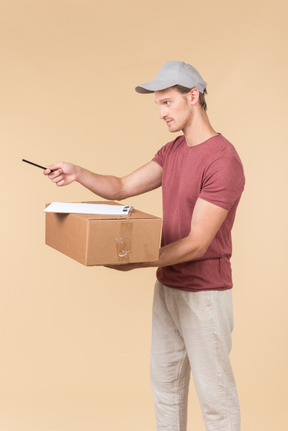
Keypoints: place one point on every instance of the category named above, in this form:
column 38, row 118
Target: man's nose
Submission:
column 163, row 112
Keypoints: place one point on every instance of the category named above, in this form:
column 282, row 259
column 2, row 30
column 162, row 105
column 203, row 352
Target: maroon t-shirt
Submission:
column 212, row 171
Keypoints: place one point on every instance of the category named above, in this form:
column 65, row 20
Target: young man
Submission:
column 202, row 180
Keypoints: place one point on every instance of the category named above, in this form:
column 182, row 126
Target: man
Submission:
column 202, row 180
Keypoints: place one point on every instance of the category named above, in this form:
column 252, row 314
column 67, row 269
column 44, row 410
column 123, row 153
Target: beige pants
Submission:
column 192, row 332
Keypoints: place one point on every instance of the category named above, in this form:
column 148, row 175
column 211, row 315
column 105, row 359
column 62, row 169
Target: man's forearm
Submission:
column 180, row 251
column 106, row 186
column 177, row 252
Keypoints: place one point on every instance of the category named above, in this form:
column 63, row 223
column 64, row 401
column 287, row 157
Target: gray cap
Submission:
column 174, row 73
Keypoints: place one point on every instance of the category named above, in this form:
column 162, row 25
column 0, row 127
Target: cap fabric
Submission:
column 174, row 73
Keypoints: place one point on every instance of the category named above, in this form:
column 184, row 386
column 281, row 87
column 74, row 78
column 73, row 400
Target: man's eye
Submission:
column 167, row 102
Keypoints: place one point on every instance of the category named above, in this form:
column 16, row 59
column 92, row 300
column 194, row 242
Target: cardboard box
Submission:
column 105, row 239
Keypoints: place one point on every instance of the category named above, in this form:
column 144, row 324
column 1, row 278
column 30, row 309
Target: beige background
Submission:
column 75, row 341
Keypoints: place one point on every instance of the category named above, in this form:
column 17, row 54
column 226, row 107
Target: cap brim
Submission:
column 150, row 87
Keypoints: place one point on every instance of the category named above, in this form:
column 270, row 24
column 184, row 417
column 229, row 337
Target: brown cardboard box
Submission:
column 105, row 239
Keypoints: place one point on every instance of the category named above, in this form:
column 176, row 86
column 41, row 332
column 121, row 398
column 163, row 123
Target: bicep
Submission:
column 144, row 179
column 206, row 220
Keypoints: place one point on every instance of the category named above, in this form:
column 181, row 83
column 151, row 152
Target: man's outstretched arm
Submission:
column 144, row 179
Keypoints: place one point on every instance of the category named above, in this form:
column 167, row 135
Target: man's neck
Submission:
column 199, row 129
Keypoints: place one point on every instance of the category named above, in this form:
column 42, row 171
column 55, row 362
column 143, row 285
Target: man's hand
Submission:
column 129, row 266
column 62, row 173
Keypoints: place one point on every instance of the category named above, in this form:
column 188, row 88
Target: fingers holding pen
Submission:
column 57, row 177
column 61, row 174
column 55, row 174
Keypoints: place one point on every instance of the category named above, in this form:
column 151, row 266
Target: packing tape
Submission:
column 124, row 242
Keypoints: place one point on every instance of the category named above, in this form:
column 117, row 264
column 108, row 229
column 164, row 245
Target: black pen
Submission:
column 34, row 164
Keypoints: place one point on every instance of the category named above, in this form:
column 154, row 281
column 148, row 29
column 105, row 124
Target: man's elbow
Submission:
column 120, row 195
column 117, row 192
column 198, row 249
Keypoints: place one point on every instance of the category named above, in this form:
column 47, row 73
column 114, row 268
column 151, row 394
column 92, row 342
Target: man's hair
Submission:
column 185, row 90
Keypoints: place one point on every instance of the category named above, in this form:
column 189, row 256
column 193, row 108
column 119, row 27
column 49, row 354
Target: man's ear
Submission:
column 193, row 96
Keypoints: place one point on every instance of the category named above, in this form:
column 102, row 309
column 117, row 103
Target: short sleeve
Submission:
column 159, row 157
column 223, row 182
column 167, row 150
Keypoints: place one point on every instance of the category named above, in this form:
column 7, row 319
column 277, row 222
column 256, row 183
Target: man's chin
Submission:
column 173, row 129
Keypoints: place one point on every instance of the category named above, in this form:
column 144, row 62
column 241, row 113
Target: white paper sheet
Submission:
column 83, row 208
